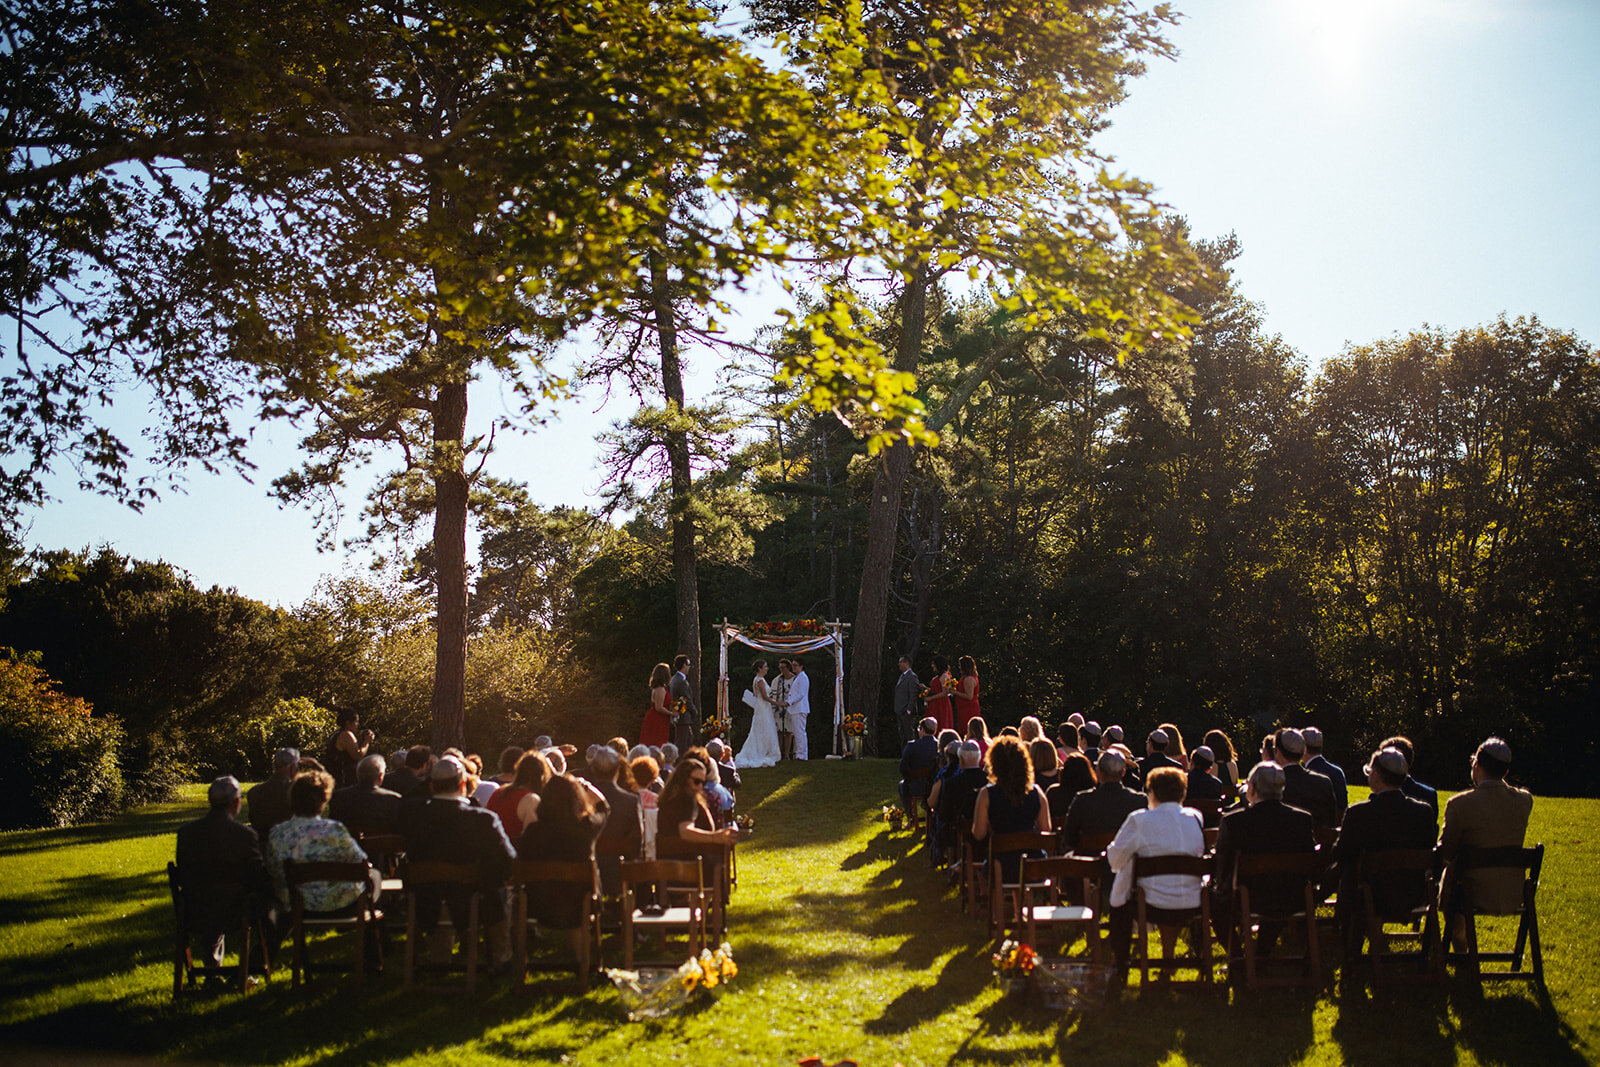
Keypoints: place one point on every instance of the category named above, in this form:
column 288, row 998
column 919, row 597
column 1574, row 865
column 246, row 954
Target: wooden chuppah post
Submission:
column 723, row 713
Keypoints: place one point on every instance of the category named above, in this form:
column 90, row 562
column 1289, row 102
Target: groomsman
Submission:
column 905, row 702
column 686, row 731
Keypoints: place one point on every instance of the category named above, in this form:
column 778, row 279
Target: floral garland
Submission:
column 793, row 628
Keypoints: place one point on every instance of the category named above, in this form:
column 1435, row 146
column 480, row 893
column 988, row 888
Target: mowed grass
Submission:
column 848, row 945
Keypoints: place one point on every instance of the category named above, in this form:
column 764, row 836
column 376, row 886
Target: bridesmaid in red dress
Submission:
column 657, row 728
column 966, row 693
column 939, row 694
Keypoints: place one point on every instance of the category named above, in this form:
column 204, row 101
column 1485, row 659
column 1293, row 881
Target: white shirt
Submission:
column 1164, row 830
column 800, row 694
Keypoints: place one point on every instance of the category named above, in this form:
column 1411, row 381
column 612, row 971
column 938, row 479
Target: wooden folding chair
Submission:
column 186, row 974
column 363, row 919
column 1200, row 956
column 1001, row 892
column 974, row 871
column 525, row 876
column 657, row 915
column 1210, row 809
column 1299, row 868
column 1046, row 878
column 717, row 861
column 918, row 805
column 1092, row 845
column 1529, row 861
column 437, row 875
column 1423, row 912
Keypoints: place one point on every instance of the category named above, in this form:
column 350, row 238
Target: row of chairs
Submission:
column 1038, row 900
column 654, row 898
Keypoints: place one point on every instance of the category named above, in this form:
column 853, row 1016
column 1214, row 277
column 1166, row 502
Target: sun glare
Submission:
column 1340, row 35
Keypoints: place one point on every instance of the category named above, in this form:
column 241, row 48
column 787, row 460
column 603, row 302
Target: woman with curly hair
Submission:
column 1011, row 802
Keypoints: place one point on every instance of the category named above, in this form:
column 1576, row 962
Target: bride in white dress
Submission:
column 761, row 747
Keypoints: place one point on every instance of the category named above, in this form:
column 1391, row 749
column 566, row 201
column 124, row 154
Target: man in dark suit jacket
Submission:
column 1388, row 819
column 367, row 806
column 269, row 801
column 221, row 868
column 920, row 754
column 686, row 732
column 906, row 688
column 410, row 779
column 447, row 828
column 623, row 835
column 1411, row 787
column 1101, row 810
column 1204, row 783
column 1089, row 742
column 1303, row 789
column 727, row 773
column 1268, row 824
column 1316, row 761
column 1156, row 757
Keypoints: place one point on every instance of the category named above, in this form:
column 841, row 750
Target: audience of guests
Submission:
column 1156, row 758
column 1266, row 824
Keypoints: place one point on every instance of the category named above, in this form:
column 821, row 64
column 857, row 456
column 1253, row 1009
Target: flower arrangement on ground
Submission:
column 893, row 816
column 1014, row 960
column 717, row 726
column 651, row 993
column 854, row 724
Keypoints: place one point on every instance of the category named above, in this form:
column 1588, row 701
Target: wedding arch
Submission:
column 788, row 638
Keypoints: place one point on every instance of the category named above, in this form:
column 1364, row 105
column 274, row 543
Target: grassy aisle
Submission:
column 848, row 946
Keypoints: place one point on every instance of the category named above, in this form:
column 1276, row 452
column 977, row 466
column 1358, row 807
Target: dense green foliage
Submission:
column 58, row 761
column 848, row 946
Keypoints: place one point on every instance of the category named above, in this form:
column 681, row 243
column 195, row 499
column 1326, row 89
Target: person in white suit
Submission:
column 799, row 708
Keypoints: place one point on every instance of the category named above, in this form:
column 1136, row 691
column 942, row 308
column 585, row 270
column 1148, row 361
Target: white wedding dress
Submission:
column 761, row 747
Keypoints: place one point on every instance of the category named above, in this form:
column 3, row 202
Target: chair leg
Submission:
column 411, row 942
column 1530, row 915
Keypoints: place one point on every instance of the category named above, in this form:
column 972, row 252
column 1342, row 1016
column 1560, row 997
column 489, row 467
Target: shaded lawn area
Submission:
column 848, row 945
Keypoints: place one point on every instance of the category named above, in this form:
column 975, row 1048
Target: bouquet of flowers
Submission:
column 893, row 816
column 855, row 724
column 718, row 726
column 1014, row 960
column 745, row 823
column 656, row 992
column 679, row 707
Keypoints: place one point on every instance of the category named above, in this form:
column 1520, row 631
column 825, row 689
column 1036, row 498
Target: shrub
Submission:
column 244, row 747
column 57, row 760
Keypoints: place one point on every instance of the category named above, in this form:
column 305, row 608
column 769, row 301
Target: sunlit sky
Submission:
column 1385, row 163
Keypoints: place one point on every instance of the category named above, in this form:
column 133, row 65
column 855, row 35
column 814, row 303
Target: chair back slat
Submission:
column 297, row 872
column 1512, row 856
column 1022, row 841
column 1150, row 866
column 1093, row 844
column 1060, row 869
column 436, row 872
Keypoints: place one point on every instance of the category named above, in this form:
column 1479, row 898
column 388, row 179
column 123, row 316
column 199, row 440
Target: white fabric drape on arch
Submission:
column 785, row 644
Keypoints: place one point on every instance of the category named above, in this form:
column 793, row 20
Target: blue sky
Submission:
column 1385, row 163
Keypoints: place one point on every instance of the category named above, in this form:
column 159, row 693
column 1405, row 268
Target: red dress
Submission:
column 967, row 710
column 939, row 704
column 657, row 728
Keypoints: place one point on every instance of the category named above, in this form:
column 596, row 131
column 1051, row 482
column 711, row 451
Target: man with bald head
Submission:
column 1492, row 814
column 1266, row 825
column 1103, row 809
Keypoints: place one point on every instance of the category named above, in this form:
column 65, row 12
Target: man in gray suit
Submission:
column 905, row 702
column 686, row 732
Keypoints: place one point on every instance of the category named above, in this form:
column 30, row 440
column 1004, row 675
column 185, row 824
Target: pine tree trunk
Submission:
column 684, row 570
column 450, row 554
column 883, row 524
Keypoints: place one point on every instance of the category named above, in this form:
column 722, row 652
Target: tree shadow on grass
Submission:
column 99, row 941
column 1514, row 1024
column 157, row 821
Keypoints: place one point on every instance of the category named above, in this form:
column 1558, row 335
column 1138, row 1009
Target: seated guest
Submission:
column 619, row 745
column 685, row 825
column 1074, row 777
column 1203, row 781
column 307, row 837
column 1067, row 737
column 1413, row 788
column 727, row 773
column 978, row 731
column 1316, row 761
column 1046, row 764
column 367, row 807
column 1388, row 819
column 556, row 756
column 958, row 796
column 622, row 837
column 645, row 780
column 1175, row 749
column 448, row 828
column 571, row 819
column 222, row 871
column 1492, row 814
column 269, row 801
column 1010, row 803
column 718, row 798
column 1167, row 828
column 1103, row 809
column 1266, row 825
column 1030, row 729
column 669, row 759
column 1303, row 789
column 1130, row 777
column 517, row 804
column 1089, row 742
column 411, row 778
column 1227, row 761
column 1156, row 754
column 921, row 753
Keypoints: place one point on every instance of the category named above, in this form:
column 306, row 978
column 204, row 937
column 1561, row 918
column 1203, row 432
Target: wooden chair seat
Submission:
column 685, row 877
column 364, row 915
column 1429, row 950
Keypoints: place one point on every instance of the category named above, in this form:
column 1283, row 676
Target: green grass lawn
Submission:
column 848, row 945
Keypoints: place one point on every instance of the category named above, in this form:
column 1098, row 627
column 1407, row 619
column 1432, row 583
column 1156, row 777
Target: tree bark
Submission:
column 450, row 554
column 883, row 522
column 684, row 570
